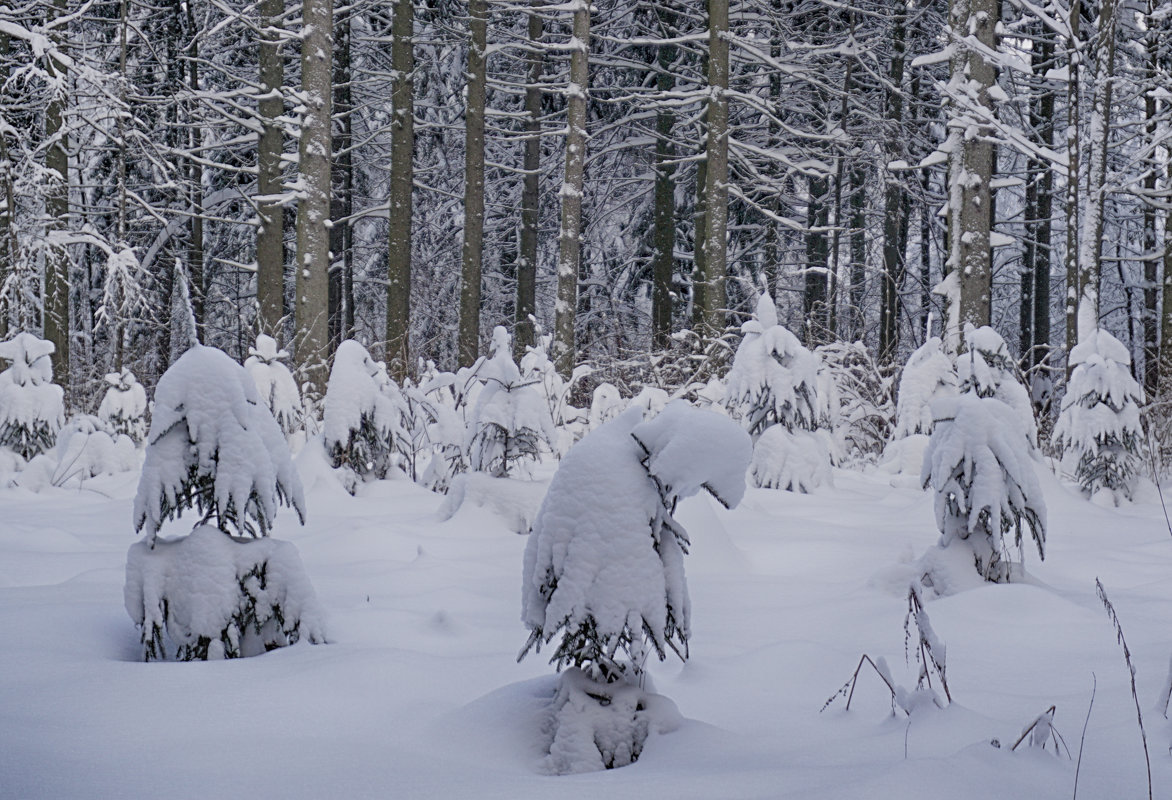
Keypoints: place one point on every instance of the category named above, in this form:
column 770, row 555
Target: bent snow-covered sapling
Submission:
column 979, row 465
column 604, row 568
column 215, row 448
column 124, row 406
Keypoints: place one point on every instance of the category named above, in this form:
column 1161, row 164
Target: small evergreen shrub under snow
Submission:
column 363, row 429
column 124, row 406
column 928, row 375
column 1098, row 432
column 604, row 568
column 978, row 463
column 987, row 368
column 215, row 447
column 511, row 419
column 275, row 382
column 32, row 407
column 86, row 448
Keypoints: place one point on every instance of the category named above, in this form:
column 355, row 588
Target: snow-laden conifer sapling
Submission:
column 215, row 448
column 275, row 383
column 929, row 374
column 124, row 405
column 364, row 428
column 32, row 407
column 987, row 368
column 86, row 448
column 510, row 421
column 1099, row 434
column 979, row 465
column 604, row 569
column 773, row 389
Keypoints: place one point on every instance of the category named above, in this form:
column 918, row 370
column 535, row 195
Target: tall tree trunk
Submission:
column 56, row 300
column 1040, row 235
column 473, row 248
column 1098, row 134
column 1073, row 143
column 342, row 201
column 814, row 296
column 1151, row 312
column 711, row 297
column 663, row 260
column 526, row 307
column 570, row 235
column 402, row 180
column 7, row 228
column 270, row 234
column 973, row 161
column 195, row 245
column 313, row 209
column 894, row 205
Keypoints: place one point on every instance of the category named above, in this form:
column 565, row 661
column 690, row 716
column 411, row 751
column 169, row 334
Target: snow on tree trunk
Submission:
column 978, row 463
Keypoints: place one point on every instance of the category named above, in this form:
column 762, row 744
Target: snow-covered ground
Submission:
column 419, row 694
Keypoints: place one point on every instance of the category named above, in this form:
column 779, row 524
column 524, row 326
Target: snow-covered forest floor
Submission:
column 419, row 694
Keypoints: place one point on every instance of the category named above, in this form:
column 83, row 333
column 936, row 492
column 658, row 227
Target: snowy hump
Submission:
column 358, row 387
column 688, row 449
column 214, row 445
column 928, row 374
column 266, row 350
column 30, row 359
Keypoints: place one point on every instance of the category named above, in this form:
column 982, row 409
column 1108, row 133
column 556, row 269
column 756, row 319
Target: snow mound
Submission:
column 514, row 501
column 209, row 596
column 86, row 448
column 796, row 462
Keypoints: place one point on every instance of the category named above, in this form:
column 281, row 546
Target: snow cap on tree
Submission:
column 215, row 446
column 604, row 562
column 987, row 368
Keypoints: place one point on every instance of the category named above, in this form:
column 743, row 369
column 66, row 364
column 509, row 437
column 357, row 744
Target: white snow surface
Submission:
column 419, row 693
column 208, row 415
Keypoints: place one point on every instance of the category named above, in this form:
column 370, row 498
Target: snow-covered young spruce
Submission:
column 86, row 448
column 773, row 383
column 1098, row 432
column 928, row 375
column 364, row 426
column 511, row 419
column 604, row 568
column 124, row 406
column 979, row 464
column 215, row 447
column 32, row 407
column 274, row 382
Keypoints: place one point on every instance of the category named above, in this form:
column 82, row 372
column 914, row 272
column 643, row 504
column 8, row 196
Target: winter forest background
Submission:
column 614, row 173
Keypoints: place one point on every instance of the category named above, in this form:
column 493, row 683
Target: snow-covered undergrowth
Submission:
column 420, row 692
column 86, row 448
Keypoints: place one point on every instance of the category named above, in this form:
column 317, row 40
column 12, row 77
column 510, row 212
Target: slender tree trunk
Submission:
column 894, row 245
column 526, row 307
column 814, row 297
column 313, row 209
column 570, row 236
column 270, row 234
column 1042, row 234
column 663, row 260
column 713, row 300
column 7, row 228
column 56, row 301
column 341, row 203
column 1098, row 134
column 473, row 249
column 973, row 162
column 1151, row 312
column 195, row 248
column 1074, row 67
column 402, row 180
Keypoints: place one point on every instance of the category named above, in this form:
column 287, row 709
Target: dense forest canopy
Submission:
column 414, row 173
